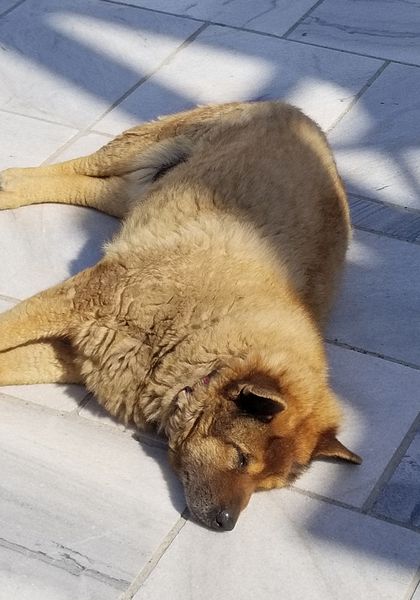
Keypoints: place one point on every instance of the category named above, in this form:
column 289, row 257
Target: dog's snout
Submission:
column 225, row 520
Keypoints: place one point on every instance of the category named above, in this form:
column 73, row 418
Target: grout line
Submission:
column 8, row 10
column 147, row 570
column 74, row 138
column 371, row 353
column 263, row 33
column 9, row 299
column 302, row 18
column 391, row 466
column 413, row 587
column 359, row 94
column 351, row 508
column 391, row 205
column 90, row 128
column 166, row 60
column 392, row 236
column 36, row 118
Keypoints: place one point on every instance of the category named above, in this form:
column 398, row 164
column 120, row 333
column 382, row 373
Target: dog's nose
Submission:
column 225, row 520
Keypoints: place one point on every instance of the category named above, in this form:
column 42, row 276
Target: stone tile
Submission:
column 60, row 397
column 70, row 60
column 381, row 28
column 44, row 244
column 416, row 593
column 395, row 221
column 373, row 425
column 7, row 5
column 376, row 143
column 82, row 498
column 223, row 65
column 27, row 142
column 288, row 546
column 400, row 498
column 264, row 15
column 82, row 146
column 30, row 576
column 377, row 308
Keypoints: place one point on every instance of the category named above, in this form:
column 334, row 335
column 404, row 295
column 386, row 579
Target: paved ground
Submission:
column 86, row 510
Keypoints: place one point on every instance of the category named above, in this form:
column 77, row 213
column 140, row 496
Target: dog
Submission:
column 204, row 318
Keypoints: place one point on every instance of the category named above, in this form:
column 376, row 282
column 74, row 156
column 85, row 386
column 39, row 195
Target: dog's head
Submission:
column 247, row 431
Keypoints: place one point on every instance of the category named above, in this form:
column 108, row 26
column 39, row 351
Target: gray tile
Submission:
column 372, row 392
column 377, row 308
column 400, row 498
column 70, row 60
column 83, row 498
column 267, row 16
column 376, row 143
column 8, row 5
column 27, row 142
column 222, row 65
column 376, row 27
column 288, row 546
column 394, row 221
column 26, row 575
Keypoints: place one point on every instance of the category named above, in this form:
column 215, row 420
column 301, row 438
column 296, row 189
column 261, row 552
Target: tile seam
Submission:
column 389, row 470
column 351, row 508
column 302, row 18
column 359, row 95
column 263, row 33
column 91, row 127
column 11, row 8
column 372, row 353
column 154, row 560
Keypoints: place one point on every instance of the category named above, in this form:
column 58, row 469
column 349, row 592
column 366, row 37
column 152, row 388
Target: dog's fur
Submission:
column 204, row 317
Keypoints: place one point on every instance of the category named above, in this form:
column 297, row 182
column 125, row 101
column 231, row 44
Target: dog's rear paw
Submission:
column 12, row 187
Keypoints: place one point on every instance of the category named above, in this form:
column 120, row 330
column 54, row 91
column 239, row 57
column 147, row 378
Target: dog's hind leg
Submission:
column 49, row 361
column 117, row 174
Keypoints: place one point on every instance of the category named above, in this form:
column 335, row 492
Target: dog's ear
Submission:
column 330, row 447
column 260, row 399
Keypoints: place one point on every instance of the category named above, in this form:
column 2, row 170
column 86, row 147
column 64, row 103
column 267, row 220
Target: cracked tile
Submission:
column 86, row 499
column 70, row 60
column 380, row 28
column 269, row 16
column 224, row 65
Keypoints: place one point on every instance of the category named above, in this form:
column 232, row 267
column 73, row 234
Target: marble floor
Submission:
column 90, row 510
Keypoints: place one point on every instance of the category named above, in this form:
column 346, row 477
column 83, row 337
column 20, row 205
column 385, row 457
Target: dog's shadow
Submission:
column 150, row 444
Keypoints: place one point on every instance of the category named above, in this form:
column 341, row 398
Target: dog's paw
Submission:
column 12, row 187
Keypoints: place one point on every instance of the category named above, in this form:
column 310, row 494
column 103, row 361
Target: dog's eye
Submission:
column 243, row 460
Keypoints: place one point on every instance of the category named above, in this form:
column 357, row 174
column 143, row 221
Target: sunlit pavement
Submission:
column 87, row 511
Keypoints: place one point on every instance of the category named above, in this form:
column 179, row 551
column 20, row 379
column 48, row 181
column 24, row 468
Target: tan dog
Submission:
column 204, row 317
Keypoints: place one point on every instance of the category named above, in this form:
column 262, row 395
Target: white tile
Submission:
column 60, row 397
column 44, row 244
column 70, row 60
column 379, row 28
column 25, row 576
column 288, row 546
column 380, row 400
column 82, row 497
column 264, row 15
column 223, row 65
column 416, row 593
column 82, row 146
column 27, row 142
column 377, row 307
column 95, row 412
column 376, row 143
